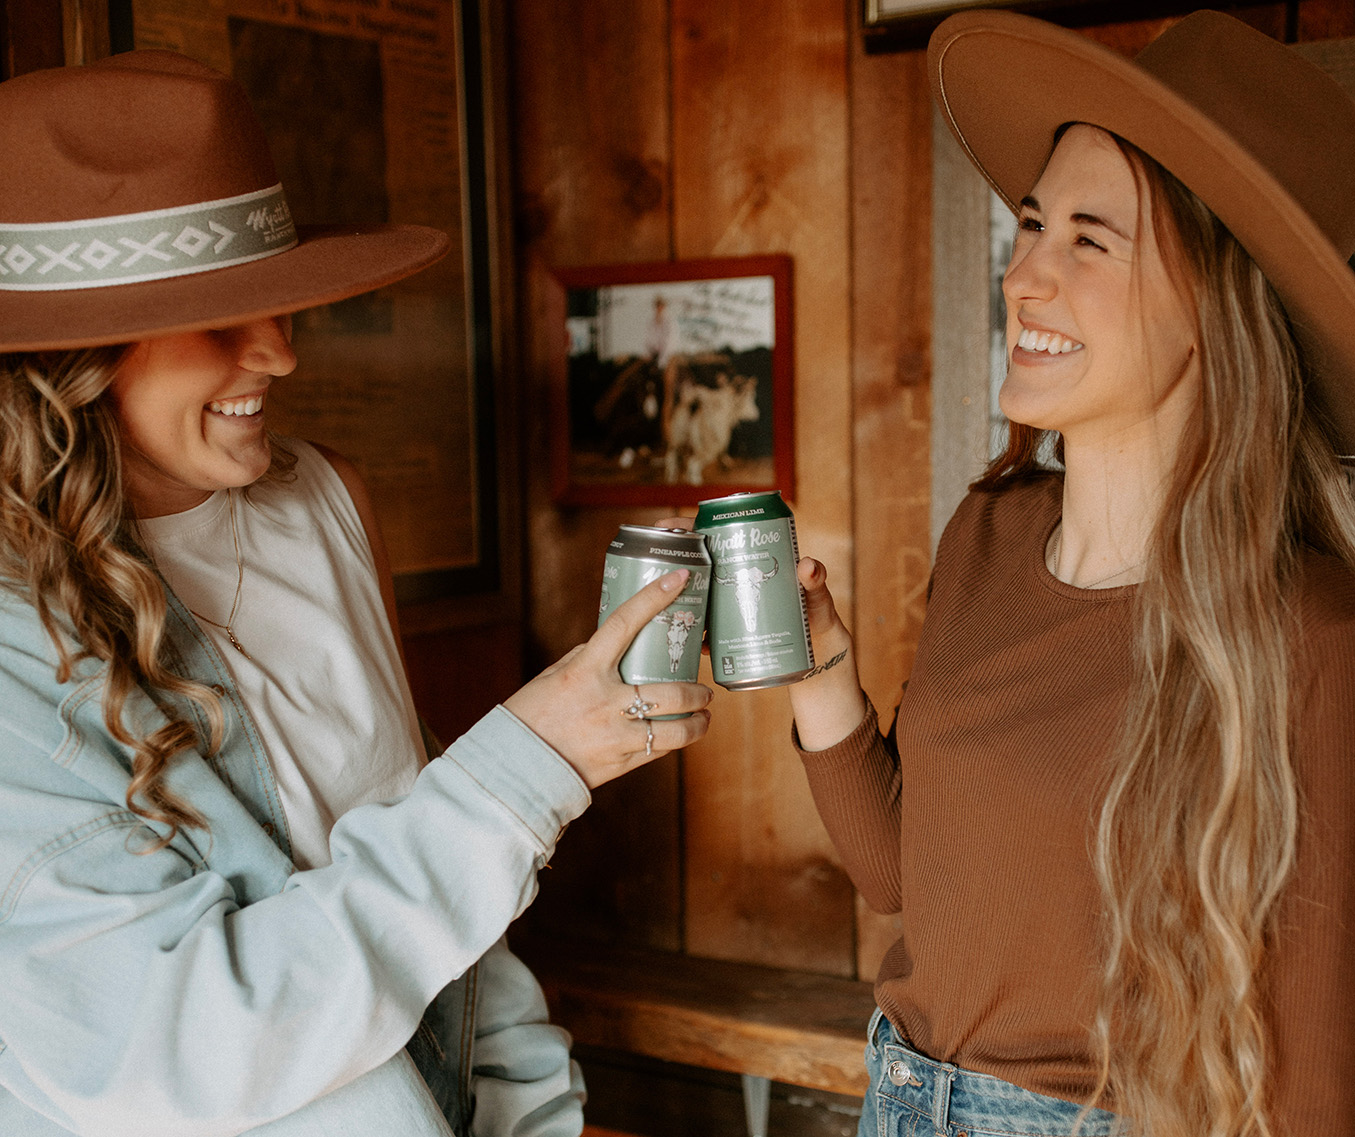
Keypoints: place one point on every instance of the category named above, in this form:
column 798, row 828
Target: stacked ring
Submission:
column 638, row 709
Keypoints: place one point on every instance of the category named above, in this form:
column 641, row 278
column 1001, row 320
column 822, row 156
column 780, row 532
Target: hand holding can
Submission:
column 668, row 648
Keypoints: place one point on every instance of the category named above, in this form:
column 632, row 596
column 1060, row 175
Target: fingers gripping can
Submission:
column 668, row 648
column 758, row 633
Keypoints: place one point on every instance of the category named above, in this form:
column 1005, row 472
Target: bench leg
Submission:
column 757, row 1099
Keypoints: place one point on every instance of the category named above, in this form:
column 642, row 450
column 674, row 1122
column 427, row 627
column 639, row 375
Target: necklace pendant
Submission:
column 230, row 635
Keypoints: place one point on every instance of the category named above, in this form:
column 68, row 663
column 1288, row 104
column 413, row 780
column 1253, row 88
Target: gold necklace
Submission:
column 1058, row 551
column 239, row 586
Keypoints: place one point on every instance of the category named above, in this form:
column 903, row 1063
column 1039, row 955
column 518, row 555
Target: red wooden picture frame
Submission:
column 673, row 381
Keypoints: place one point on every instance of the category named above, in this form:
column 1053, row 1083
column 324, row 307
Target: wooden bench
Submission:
column 763, row 1023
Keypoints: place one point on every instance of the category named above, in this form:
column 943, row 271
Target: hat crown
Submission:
column 141, row 131
column 1291, row 117
column 138, row 198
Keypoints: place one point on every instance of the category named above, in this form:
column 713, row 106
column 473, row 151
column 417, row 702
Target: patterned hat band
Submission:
column 136, row 247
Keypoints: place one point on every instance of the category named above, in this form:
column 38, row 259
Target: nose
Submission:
column 265, row 345
column 1030, row 273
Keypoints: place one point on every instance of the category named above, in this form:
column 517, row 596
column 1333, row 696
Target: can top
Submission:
column 753, row 505
column 656, row 541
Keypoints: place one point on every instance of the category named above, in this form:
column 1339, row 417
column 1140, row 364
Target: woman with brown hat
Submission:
column 233, row 897
column 1115, row 812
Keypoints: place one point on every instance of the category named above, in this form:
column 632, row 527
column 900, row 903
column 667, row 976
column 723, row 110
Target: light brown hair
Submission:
column 68, row 547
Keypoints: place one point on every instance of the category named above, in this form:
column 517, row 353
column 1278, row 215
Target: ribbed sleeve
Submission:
column 856, row 789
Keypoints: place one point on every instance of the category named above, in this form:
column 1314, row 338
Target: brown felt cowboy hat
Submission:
column 138, row 197
column 1262, row 136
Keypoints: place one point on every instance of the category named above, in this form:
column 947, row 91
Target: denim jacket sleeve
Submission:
column 522, row 1078
column 205, row 987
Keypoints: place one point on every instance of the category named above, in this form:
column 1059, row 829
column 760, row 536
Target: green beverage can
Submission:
column 668, row 648
column 758, row 632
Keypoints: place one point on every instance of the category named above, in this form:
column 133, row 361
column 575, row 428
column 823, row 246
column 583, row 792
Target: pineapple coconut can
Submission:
column 668, row 648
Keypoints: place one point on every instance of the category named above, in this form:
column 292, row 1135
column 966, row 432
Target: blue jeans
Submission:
column 913, row 1096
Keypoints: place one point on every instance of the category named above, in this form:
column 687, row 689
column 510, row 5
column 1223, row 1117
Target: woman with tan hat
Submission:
column 1115, row 812
column 233, row 896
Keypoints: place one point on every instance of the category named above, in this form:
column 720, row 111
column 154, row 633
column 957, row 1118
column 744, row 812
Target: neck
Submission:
column 1111, row 504
column 147, row 501
column 1117, row 472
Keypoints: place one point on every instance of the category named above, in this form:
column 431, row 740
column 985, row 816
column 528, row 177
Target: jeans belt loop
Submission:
column 941, row 1100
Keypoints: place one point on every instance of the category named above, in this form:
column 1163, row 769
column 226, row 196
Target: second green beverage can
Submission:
column 756, row 625
column 668, row 648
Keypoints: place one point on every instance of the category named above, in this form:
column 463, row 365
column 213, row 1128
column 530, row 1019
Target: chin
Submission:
column 1026, row 412
column 256, row 459
column 243, row 474
column 250, row 479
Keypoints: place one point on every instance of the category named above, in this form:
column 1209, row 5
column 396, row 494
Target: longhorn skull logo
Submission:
column 680, row 624
column 747, row 582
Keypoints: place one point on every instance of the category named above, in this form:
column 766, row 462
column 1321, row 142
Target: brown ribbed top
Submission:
column 973, row 820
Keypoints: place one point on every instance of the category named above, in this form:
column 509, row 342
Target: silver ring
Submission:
column 649, row 739
column 638, row 708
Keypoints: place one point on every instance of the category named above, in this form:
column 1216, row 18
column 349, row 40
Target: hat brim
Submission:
column 329, row 263
column 1005, row 83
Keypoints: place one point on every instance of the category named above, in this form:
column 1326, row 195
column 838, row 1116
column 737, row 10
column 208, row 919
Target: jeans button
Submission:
column 899, row 1073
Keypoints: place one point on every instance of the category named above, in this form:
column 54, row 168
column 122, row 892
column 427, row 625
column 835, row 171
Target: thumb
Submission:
column 820, row 610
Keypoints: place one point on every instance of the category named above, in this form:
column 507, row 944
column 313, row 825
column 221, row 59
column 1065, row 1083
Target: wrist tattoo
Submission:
column 831, row 663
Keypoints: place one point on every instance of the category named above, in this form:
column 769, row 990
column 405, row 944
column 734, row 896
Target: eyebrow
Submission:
column 1030, row 202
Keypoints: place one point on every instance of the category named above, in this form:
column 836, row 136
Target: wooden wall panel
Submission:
column 31, row 36
column 457, row 675
column 760, row 165
column 891, row 365
column 591, row 133
column 1325, row 19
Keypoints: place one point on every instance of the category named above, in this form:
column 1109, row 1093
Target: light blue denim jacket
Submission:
column 208, row 989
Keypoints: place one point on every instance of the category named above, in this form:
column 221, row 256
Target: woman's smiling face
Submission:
column 1101, row 341
column 190, row 411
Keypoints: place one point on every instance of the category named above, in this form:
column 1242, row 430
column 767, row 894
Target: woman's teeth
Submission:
column 1049, row 342
column 249, row 406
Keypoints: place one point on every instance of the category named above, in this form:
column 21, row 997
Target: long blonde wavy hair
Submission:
column 1197, row 832
column 68, row 546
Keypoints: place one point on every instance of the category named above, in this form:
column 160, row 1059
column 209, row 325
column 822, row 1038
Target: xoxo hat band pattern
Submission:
column 1262, row 136
column 146, row 246
column 140, row 199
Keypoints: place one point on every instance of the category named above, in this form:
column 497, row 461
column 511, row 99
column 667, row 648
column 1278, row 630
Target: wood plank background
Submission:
column 650, row 129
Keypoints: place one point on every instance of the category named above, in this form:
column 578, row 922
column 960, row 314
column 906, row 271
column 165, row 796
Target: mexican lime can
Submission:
column 668, row 648
column 756, row 625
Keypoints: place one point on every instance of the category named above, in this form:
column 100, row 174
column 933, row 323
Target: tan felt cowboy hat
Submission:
column 138, row 197
column 1263, row 137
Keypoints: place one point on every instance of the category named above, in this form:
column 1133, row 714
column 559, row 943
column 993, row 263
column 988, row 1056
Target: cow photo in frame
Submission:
column 674, row 381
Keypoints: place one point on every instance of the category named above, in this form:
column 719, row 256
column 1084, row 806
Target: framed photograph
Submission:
column 906, row 25
column 381, row 116
column 880, row 13
column 673, row 382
